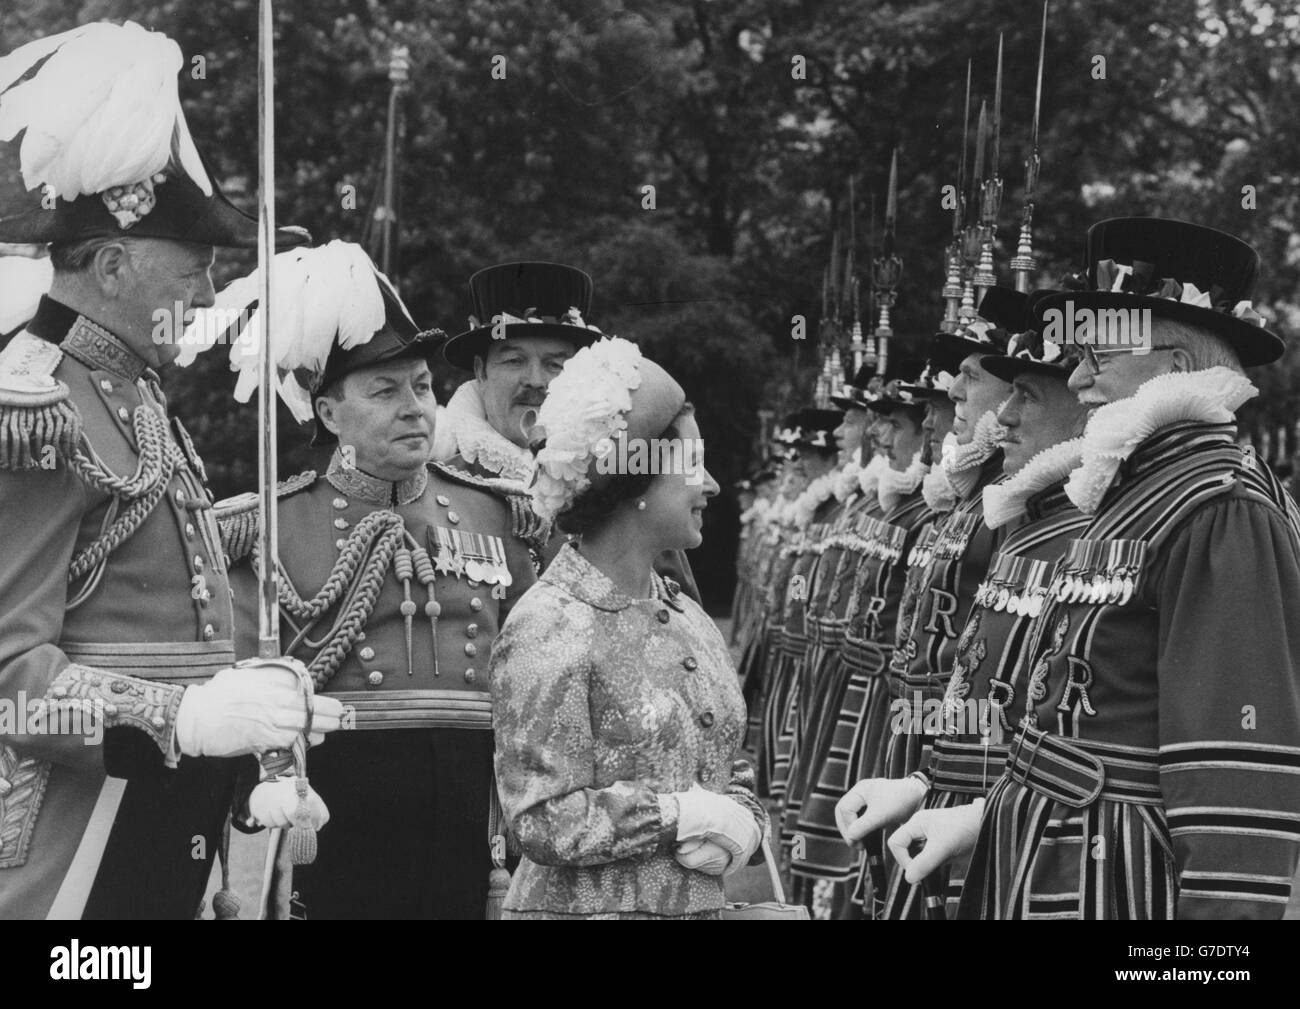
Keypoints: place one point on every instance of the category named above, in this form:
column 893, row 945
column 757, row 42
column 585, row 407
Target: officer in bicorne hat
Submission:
column 115, row 614
column 397, row 574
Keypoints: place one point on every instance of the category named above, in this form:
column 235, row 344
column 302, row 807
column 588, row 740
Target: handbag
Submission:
column 775, row 909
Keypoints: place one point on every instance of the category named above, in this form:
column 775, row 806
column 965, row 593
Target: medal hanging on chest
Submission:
column 478, row 557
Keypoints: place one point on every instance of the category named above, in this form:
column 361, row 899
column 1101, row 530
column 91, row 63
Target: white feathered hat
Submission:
column 96, row 115
column 333, row 313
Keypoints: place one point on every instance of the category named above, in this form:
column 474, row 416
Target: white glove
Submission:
column 717, row 818
column 947, row 833
column 273, row 803
column 704, row 856
column 250, row 708
column 886, row 801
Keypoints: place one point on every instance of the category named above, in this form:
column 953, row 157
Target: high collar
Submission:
column 361, row 485
column 463, row 429
column 1037, row 490
column 1132, row 436
column 571, row 571
column 85, row 340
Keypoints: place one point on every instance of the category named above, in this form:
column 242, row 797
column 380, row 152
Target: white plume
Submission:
column 23, row 280
column 103, row 109
column 317, row 294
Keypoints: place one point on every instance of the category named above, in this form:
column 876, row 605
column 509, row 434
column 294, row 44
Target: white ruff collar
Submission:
column 870, row 474
column 894, row 486
column 463, row 428
column 1115, row 430
column 955, row 477
column 1005, row 501
column 806, row 504
column 846, row 481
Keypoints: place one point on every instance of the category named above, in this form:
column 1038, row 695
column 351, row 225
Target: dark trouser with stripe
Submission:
column 408, row 831
column 159, row 855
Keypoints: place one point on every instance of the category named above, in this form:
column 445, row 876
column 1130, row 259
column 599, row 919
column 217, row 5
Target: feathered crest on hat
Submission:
column 322, row 296
column 99, row 108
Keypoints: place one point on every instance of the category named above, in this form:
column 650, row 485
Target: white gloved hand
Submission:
column 947, row 833
column 273, row 804
column 886, row 801
column 704, row 856
column 717, row 818
column 250, row 708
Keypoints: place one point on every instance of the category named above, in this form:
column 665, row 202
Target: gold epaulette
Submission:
column 237, row 516
column 39, row 423
column 525, row 523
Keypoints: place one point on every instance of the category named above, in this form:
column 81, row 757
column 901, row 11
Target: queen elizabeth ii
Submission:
column 615, row 704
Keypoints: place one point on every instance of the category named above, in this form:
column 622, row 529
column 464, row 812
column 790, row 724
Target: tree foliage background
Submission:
column 750, row 165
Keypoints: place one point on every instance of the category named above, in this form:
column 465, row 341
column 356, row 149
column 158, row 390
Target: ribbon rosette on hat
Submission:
column 1139, row 278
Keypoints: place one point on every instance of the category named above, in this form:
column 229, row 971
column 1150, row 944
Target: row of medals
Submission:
column 1022, row 602
column 1067, row 588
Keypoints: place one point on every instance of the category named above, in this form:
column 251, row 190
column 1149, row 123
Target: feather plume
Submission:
column 320, row 295
column 22, row 282
column 101, row 109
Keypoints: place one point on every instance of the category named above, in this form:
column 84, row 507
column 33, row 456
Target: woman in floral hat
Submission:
column 615, row 702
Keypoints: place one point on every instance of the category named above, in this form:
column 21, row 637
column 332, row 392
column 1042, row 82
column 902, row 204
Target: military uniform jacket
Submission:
column 113, row 596
column 393, row 592
column 1160, row 753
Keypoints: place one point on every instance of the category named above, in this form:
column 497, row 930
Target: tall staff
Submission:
column 1024, row 263
column 300, row 848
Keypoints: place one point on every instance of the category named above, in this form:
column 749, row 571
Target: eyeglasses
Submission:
column 1090, row 356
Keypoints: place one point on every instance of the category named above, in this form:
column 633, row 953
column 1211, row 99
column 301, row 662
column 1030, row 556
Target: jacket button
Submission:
column 375, row 678
column 453, row 518
column 690, row 664
column 340, row 502
column 476, row 604
column 471, row 649
column 123, row 414
column 471, row 630
column 367, row 653
column 662, row 616
column 189, row 530
column 338, row 544
column 706, row 719
column 443, row 500
column 106, row 385
column 208, row 632
column 180, row 498
column 198, row 562
column 340, row 523
column 469, row 674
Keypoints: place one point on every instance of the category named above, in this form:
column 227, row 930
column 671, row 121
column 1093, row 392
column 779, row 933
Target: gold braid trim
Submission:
column 118, row 700
column 356, row 578
column 39, row 434
column 525, row 523
column 238, row 520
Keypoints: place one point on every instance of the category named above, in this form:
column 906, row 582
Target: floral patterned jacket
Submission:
column 603, row 706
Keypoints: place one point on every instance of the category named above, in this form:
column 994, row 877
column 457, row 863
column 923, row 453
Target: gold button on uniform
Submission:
column 198, row 562
column 375, row 678
column 453, row 518
column 471, row 649
column 476, row 604
column 471, row 630
column 340, row 502
column 338, row 544
column 106, row 385
column 469, row 674
column 208, row 632
column 367, row 654
column 180, row 497
column 189, row 530
column 123, row 414
column 340, row 523
column 443, row 500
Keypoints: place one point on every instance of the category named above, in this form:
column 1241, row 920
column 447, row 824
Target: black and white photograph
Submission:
column 609, row 459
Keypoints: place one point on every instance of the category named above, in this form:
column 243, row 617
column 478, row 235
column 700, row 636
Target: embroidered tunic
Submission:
column 1157, row 772
column 984, row 699
column 603, row 705
column 113, row 593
